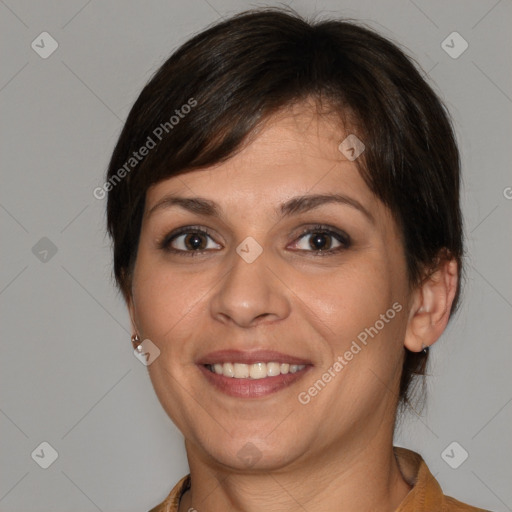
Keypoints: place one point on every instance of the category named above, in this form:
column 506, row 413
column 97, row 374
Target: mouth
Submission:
column 252, row 374
column 260, row 370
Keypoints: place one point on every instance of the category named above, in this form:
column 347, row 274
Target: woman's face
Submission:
column 258, row 289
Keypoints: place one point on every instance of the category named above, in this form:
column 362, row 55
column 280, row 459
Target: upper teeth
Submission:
column 254, row 371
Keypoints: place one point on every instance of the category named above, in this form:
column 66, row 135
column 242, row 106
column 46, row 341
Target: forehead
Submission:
column 295, row 152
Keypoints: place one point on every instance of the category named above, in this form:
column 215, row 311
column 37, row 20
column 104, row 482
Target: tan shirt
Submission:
column 425, row 496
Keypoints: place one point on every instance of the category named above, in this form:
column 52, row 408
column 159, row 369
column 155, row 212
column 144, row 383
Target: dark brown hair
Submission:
column 215, row 90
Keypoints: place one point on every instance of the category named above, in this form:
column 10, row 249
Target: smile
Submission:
column 260, row 370
column 252, row 374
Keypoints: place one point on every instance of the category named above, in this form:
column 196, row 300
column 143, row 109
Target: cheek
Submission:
column 164, row 297
column 352, row 298
column 365, row 315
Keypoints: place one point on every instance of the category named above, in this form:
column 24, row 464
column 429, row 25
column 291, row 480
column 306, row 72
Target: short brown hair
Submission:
column 241, row 70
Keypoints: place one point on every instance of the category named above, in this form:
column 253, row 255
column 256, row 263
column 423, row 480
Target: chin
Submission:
column 253, row 453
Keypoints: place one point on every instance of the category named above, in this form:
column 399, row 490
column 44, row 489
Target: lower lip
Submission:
column 252, row 388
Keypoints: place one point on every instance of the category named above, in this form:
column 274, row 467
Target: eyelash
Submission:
column 340, row 236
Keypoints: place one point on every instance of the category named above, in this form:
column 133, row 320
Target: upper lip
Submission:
column 250, row 357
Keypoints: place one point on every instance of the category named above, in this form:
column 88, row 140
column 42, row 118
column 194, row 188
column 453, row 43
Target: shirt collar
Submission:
column 426, row 494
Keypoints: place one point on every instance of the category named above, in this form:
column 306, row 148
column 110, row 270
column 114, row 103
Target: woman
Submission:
column 284, row 208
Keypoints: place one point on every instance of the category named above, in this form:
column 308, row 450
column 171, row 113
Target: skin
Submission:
column 337, row 449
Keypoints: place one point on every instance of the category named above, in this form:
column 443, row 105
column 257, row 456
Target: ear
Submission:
column 431, row 305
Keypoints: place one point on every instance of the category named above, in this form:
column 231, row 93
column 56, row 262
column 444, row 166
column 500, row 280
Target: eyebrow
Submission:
column 295, row 205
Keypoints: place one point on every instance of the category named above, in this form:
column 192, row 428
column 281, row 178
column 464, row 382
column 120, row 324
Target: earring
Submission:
column 425, row 349
column 136, row 342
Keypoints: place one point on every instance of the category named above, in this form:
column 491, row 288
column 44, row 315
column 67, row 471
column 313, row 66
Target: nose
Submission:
column 250, row 293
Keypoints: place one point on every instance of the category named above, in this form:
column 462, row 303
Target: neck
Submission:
column 364, row 477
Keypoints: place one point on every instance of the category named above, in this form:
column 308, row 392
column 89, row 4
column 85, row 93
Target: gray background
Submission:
column 68, row 374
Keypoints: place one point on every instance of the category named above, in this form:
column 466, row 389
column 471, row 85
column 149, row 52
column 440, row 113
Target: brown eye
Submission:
column 188, row 240
column 323, row 240
column 194, row 241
